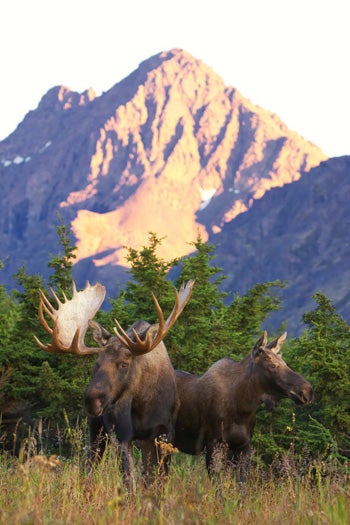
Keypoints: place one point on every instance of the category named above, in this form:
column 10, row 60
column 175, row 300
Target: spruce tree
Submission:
column 148, row 274
column 323, row 353
column 49, row 384
column 246, row 315
column 8, row 317
column 63, row 378
column 62, row 263
column 195, row 341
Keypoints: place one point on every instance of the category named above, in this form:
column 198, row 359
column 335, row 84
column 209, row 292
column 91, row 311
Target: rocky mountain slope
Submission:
column 169, row 149
column 299, row 233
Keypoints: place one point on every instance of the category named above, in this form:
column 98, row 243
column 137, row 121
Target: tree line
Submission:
column 37, row 388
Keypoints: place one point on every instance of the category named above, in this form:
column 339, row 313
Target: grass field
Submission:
column 39, row 489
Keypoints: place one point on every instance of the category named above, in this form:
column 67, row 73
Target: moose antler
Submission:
column 139, row 346
column 70, row 319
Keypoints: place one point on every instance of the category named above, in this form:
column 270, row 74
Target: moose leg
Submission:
column 97, row 439
column 243, row 464
column 127, row 466
column 240, row 460
column 149, row 461
column 216, row 457
column 155, row 460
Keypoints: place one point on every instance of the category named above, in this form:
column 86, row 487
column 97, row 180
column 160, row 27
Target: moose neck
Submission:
column 250, row 387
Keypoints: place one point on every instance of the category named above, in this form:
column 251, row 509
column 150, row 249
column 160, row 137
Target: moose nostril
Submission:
column 93, row 406
column 308, row 394
column 94, row 400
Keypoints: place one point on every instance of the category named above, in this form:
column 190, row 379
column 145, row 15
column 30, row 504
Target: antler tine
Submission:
column 181, row 299
column 55, row 296
column 140, row 346
column 129, row 343
column 123, row 336
column 164, row 326
column 46, row 305
column 50, row 312
column 39, row 343
column 56, row 346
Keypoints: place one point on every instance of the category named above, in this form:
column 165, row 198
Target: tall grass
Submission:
column 40, row 489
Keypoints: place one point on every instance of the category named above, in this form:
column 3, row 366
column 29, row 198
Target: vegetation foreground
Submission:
column 53, row 490
column 300, row 470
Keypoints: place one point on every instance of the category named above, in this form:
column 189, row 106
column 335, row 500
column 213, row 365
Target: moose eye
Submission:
column 122, row 366
column 273, row 366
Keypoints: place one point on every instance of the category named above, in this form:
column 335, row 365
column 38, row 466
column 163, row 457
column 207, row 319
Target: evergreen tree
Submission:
column 62, row 264
column 210, row 328
column 195, row 341
column 21, row 356
column 31, row 382
column 62, row 378
column 8, row 317
column 247, row 313
column 149, row 273
column 27, row 296
column 322, row 353
column 189, row 340
column 9, row 314
column 118, row 311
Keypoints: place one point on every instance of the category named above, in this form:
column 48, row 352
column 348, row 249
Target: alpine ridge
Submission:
column 170, row 149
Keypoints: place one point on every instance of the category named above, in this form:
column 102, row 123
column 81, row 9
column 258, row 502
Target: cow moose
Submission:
column 218, row 409
column 132, row 391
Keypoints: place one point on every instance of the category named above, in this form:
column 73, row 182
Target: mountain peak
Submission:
column 169, row 149
column 181, row 60
column 174, row 133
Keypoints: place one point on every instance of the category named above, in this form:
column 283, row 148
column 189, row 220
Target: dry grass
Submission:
column 37, row 489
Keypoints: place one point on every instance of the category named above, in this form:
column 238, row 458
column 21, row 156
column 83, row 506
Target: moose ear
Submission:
column 259, row 345
column 152, row 330
column 276, row 345
column 100, row 335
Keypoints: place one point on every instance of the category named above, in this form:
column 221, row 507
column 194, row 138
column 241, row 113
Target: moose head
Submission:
column 276, row 379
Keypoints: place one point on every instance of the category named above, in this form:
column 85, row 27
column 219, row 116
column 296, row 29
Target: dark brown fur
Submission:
column 218, row 409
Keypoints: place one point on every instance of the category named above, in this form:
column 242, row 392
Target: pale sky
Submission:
column 287, row 56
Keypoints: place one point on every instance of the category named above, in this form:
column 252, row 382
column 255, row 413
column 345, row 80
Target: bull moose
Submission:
column 132, row 391
column 218, row 409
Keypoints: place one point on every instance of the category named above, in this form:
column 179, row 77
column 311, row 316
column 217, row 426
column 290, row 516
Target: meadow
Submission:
column 54, row 490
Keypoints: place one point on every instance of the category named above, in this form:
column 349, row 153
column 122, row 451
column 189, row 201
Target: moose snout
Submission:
column 307, row 393
column 94, row 401
column 304, row 395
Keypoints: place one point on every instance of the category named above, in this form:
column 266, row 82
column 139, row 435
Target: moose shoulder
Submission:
column 218, row 409
column 133, row 390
